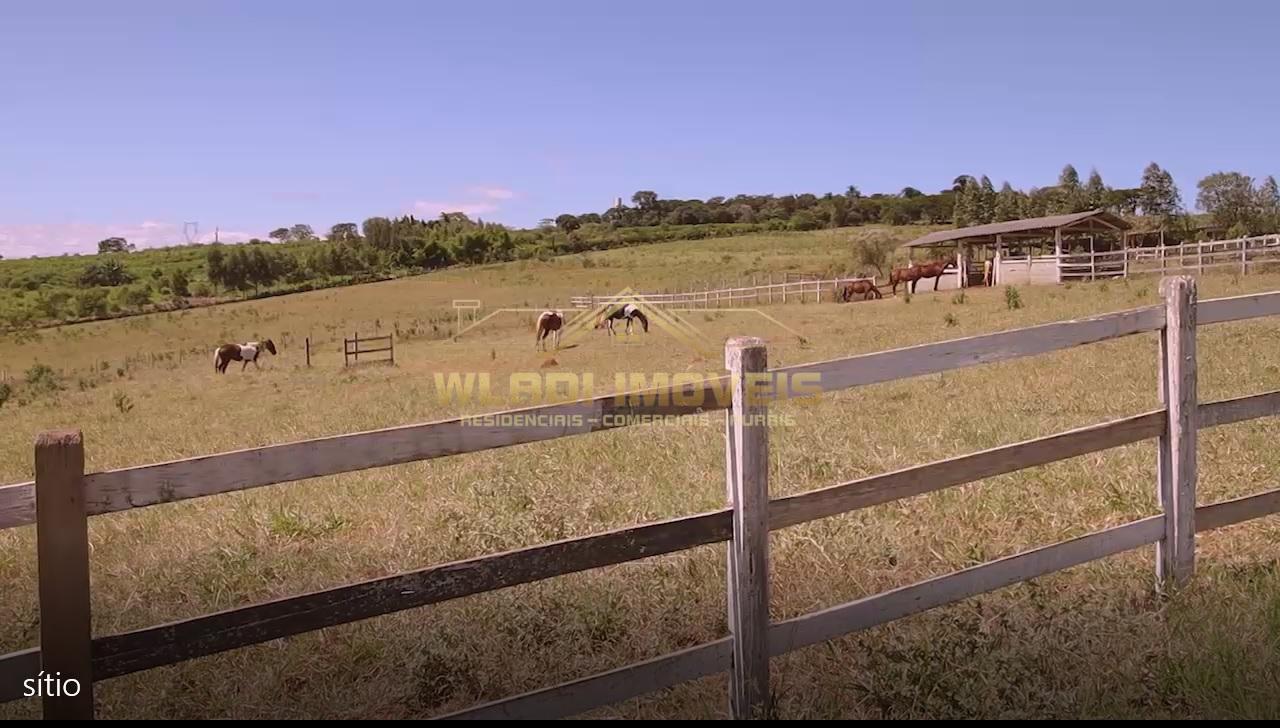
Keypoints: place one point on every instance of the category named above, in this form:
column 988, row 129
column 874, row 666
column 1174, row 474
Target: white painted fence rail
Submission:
column 1240, row 255
column 798, row 291
column 62, row 498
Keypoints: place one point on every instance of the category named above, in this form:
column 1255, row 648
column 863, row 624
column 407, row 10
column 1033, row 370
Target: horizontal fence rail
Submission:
column 143, row 649
column 1237, row 254
column 797, row 291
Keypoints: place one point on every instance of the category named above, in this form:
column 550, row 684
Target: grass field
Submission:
column 1089, row 642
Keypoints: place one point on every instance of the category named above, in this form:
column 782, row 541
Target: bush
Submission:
column 874, row 252
column 42, row 378
column 179, row 284
column 109, row 272
column 133, row 297
column 201, row 290
column 90, row 303
column 1012, row 299
column 5, row 393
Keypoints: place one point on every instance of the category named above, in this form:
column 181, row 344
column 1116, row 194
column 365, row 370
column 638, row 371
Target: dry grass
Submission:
column 1091, row 641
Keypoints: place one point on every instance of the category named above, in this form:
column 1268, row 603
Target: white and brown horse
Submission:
column 246, row 353
column 549, row 324
column 629, row 312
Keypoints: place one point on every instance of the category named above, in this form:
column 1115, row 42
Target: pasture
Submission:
column 1091, row 641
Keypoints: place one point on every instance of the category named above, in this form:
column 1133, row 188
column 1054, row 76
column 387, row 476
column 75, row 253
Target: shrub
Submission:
column 1012, row 298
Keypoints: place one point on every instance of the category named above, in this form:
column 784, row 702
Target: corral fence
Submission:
column 353, row 348
column 802, row 290
column 1240, row 255
column 63, row 497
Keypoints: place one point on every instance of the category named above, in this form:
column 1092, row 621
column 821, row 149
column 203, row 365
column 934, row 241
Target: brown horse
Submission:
column 912, row 274
column 864, row 288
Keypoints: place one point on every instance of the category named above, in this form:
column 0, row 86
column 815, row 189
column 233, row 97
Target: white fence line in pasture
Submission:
column 62, row 499
column 798, row 291
column 1236, row 254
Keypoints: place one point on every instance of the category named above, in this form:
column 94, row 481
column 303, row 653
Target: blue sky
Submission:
column 132, row 117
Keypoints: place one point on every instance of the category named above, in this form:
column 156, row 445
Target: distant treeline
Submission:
column 121, row 280
column 1230, row 199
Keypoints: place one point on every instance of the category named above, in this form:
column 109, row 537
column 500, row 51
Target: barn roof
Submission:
column 1084, row 220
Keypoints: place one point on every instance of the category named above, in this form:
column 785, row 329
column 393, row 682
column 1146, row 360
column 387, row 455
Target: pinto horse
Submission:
column 628, row 312
column 227, row 353
column 549, row 325
column 864, row 288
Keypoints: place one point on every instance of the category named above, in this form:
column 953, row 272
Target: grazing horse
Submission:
column 628, row 312
column 864, row 288
column 906, row 276
column 549, row 324
column 227, row 353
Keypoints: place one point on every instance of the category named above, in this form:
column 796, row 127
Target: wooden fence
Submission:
column 801, row 290
column 351, row 348
column 1237, row 255
column 63, row 497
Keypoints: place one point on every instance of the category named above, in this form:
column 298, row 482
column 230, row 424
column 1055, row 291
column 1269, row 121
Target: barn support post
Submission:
column 1057, row 250
column 62, row 556
column 747, row 482
column 1176, row 451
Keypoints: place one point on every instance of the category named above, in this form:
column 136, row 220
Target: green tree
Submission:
column 1069, row 179
column 343, row 232
column 967, row 209
column 1095, row 192
column 215, row 266
column 1007, row 205
column 1229, row 198
column 301, row 232
column 1068, row 197
column 378, row 232
column 986, row 201
column 109, row 272
column 114, row 245
column 568, row 223
column 1269, row 205
column 645, row 199
column 1158, row 195
column 237, row 270
column 263, row 268
column 279, row 235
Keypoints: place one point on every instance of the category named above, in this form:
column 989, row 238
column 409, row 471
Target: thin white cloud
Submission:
column 433, row 208
column 25, row 240
column 474, row 202
column 493, row 193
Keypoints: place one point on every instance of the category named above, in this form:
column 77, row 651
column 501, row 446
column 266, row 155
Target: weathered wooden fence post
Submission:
column 747, row 480
column 62, row 555
column 308, row 343
column 1176, row 453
